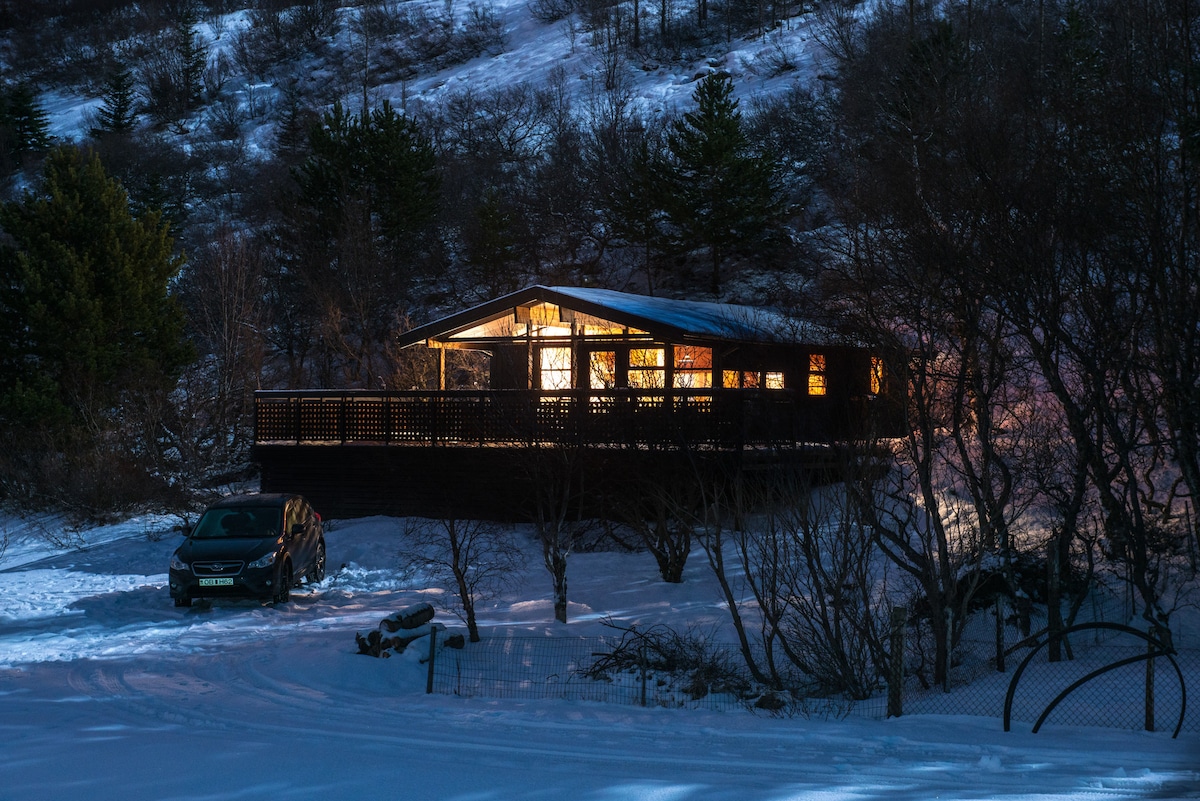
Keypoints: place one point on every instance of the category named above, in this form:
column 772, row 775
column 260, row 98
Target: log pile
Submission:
column 400, row 629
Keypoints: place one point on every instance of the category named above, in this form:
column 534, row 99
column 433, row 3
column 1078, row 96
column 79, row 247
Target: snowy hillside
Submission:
column 525, row 50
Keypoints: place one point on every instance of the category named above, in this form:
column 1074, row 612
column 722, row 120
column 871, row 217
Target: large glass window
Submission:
column 556, row 368
column 646, row 368
column 602, row 369
column 752, row 379
column 876, row 375
column 816, row 374
column 693, row 367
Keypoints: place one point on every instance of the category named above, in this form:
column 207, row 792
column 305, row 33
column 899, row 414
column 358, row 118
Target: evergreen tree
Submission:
column 24, row 127
column 117, row 113
column 377, row 169
column 490, row 245
column 361, row 221
column 84, row 290
column 193, row 58
column 634, row 210
column 720, row 193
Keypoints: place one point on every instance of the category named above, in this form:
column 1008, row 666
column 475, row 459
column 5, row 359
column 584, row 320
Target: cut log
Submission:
column 410, row 618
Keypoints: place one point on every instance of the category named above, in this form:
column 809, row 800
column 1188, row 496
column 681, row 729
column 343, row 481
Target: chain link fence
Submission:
column 1137, row 695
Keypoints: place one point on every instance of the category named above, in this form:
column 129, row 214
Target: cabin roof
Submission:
column 679, row 320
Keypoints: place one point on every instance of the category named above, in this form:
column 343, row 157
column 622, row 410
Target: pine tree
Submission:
column 117, row 113
column 378, row 169
column 634, row 210
column 361, row 221
column 24, row 127
column 491, row 251
column 193, row 58
column 721, row 194
column 84, row 287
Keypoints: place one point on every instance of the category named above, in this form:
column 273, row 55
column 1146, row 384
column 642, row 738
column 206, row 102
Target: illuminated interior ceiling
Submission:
column 542, row 320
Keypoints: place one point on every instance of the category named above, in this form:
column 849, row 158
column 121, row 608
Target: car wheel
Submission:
column 283, row 592
column 183, row 601
column 317, row 573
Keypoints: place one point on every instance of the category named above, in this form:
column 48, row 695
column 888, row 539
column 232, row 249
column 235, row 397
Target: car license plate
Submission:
column 216, row 582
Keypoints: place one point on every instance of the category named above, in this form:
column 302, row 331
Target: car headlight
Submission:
column 177, row 563
column 264, row 561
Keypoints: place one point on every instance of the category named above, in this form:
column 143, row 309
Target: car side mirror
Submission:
column 184, row 530
column 297, row 529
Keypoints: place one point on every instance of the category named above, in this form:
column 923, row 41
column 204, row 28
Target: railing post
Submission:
column 343, row 413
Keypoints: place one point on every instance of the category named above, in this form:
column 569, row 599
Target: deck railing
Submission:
column 666, row 417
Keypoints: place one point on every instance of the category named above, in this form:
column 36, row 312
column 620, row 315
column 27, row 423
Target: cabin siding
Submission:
column 503, row 484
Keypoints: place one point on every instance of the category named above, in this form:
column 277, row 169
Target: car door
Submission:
column 302, row 544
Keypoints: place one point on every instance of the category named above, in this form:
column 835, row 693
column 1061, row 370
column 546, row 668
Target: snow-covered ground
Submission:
column 107, row 691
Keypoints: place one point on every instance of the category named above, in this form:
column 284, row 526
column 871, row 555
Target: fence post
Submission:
column 999, row 632
column 1053, row 601
column 1193, row 535
column 895, row 702
column 642, row 660
column 433, row 630
column 949, row 650
column 1150, row 682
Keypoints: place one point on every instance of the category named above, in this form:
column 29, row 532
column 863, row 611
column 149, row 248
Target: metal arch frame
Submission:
column 1012, row 685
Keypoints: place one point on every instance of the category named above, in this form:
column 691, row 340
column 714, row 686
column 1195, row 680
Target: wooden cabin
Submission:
column 624, row 383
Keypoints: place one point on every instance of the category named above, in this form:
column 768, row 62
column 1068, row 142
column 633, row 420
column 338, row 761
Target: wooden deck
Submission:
column 487, row 454
column 721, row 419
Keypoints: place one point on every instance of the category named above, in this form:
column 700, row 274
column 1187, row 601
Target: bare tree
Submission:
column 472, row 559
column 556, row 476
column 806, row 587
column 664, row 511
column 1003, row 228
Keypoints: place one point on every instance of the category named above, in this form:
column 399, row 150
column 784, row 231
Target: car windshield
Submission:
column 241, row 521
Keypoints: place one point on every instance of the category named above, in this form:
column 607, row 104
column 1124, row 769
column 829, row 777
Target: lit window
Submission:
column 750, row 379
column 876, row 375
column 729, row 379
column 816, row 374
column 602, row 372
column 556, row 368
column 773, row 380
column 646, row 368
column 693, row 367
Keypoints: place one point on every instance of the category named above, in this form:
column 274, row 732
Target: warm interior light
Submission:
column 693, row 367
column 602, row 369
column 556, row 368
column 646, row 368
column 816, row 374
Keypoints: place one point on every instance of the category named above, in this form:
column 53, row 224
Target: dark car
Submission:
column 249, row 546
